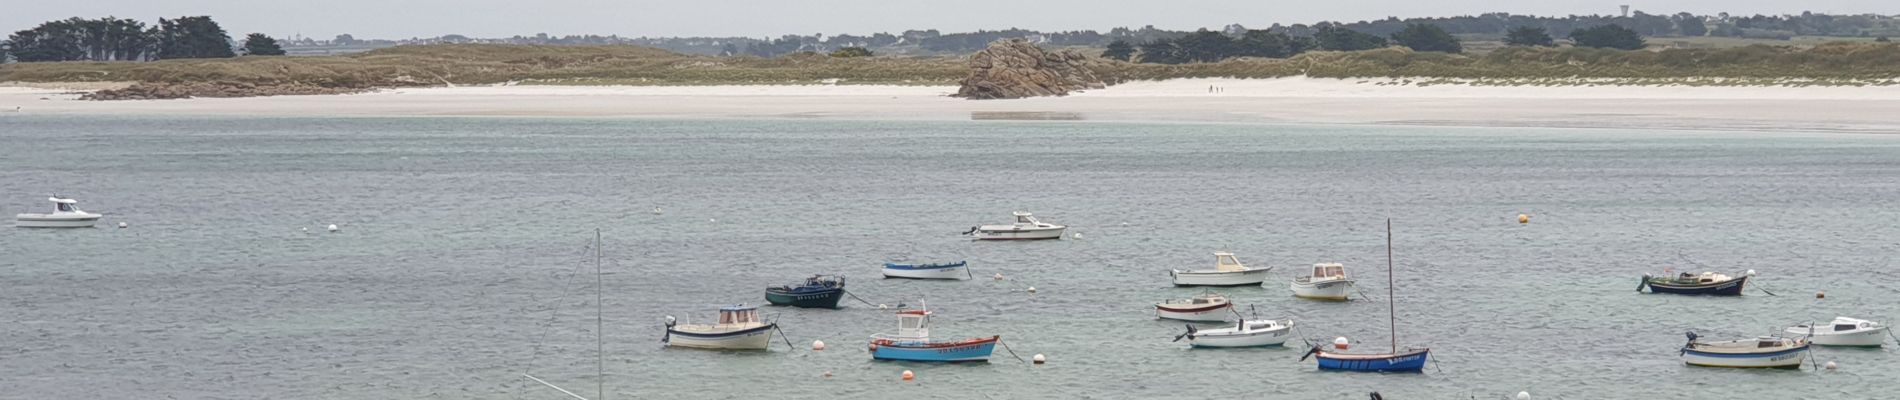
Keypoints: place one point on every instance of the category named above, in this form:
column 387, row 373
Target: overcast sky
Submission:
column 391, row 19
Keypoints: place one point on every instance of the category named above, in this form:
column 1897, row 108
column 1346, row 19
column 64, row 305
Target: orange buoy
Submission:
column 909, row 376
column 1523, row 219
column 1820, row 295
column 1340, row 343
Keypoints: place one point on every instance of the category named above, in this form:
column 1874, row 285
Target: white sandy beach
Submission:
column 1869, row 109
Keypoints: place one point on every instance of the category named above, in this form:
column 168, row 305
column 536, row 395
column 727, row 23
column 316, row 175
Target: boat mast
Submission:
column 600, row 337
column 1392, row 308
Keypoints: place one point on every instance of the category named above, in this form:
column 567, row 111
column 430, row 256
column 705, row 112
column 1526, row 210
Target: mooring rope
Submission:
column 1012, row 352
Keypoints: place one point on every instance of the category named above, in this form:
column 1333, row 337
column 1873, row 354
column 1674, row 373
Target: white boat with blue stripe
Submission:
column 953, row 270
column 1761, row 352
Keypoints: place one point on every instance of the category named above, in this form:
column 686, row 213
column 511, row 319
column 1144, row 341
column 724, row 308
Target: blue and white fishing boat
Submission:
column 912, row 343
column 1397, row 360
column 927, row 271
column 739, row 328
column 1761, row 352
column 1709, row 283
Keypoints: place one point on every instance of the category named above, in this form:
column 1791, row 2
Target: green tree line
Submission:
column 118, row 39
column 1205, row 46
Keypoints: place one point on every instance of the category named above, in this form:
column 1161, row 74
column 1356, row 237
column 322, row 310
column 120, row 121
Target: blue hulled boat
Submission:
column 1397, row 360
column 821, row 291
column 1708, row 283
column 912, row 343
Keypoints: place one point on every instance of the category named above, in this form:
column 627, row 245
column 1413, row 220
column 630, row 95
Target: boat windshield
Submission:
column 63, row 207
column 1024, row 219
column 1845, row 327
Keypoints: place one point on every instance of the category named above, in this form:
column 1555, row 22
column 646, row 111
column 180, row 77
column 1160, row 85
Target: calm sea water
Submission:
column 463, row 259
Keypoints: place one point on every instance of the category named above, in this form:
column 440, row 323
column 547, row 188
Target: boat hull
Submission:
column 1217, row 313
column 1409, row 361
column 1234, row 278
column 1338, row 290
column 1789, row 358
column 1873, row 337
column 1216, row 339
column 950, row 271
column 758, row 338
column 55, row 221
column 1013, row 233
column 1732, row 287
column 976, row 350
column 818, row 299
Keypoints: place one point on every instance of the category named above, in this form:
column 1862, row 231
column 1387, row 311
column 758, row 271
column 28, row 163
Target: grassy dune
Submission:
column 1836, row 63
column 481, row 64
column 1825, row 64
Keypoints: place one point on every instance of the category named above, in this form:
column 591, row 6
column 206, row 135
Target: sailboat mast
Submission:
column 600, row 337
column 1392, row 308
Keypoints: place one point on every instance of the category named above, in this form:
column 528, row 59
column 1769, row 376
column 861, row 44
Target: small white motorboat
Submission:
column 1025, row 228
column 66, row 214
column 1207, row 307
column 1761, row 352
column 1246, row 333
column 1327, row 282
column 953, row 270
column 1843, row 331
column 739, row 328
column 1228, row 271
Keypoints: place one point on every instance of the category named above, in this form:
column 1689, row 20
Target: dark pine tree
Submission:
column 1334, row 38
column 258, row 44
column 1528, row 36
column 1610, row 36
column 1428, row 37
column 192, row 37
column 1119, row 50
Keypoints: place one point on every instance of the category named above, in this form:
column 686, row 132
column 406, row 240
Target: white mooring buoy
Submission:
column 1341, row 343
column 1831, row 366
column 818, row 345
column 333, row 228
column 1032, row 289
column 122, row 225
column 1039, row 359
column 999, row 276
column 1524, row 395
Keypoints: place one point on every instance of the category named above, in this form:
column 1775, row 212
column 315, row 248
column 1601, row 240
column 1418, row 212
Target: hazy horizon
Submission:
column 493, row 18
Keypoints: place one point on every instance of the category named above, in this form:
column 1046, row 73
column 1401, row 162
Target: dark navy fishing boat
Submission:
column 818, row 291
column 1708, row 283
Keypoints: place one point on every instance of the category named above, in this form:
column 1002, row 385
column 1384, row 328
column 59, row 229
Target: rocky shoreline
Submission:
column 1014, row 69
column 165, row 91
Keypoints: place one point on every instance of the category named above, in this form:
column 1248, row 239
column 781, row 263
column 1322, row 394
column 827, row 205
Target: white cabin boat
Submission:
column 1246, row 333
column 1843, row 331
column 1761, row 352
column 1207, row 307
column 739, row 328
column 66, row 214
column 1328, row 281
column 1228, row 271
column 1027, row 227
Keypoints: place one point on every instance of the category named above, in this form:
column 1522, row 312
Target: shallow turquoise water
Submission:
column 451, row 275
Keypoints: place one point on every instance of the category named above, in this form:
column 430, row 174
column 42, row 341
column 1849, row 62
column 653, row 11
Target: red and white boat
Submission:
column 1207, row 307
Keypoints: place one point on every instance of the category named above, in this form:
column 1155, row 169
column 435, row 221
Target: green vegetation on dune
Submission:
column 1835, row 63
column 492, row 63
column 1858, row 63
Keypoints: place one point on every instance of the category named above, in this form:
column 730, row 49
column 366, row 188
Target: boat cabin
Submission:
column 1329, row 271
column 739, row 315
column 64, row 205
column 1225, row 261
column 913, row 324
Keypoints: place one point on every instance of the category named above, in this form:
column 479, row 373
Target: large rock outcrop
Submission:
column 1014, row 69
